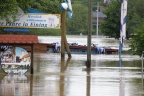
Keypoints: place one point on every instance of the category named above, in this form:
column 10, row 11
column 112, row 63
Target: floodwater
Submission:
column 56, row 76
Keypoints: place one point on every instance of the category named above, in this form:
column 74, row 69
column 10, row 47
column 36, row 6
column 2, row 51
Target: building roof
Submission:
column 100, row 14
column 107, row 1
column 18, row 39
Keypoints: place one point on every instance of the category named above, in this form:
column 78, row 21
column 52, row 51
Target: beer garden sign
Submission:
column 33, row 20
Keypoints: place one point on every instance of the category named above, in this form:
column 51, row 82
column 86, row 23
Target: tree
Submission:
column 85, row 3
column 47, row 6
column 78, row 23
column 137, row 43
column 111, row 24
column 10, row 7
column 136, row 25
column 134, row 16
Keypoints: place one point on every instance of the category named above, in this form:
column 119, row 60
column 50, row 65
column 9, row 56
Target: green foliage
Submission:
column 78, row 23
column 135, row 15
column 7, row 7
column 135, row 25
column 111, row 24
column 47, row 6
column 10, row 7
column 24, row 4
column 85, row 3
column 137, row 42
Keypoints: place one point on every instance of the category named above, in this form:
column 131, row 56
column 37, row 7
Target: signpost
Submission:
column 65, row 6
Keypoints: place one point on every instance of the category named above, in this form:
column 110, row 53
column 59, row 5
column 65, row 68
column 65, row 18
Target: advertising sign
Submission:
column 15, row 60
column 33, row 20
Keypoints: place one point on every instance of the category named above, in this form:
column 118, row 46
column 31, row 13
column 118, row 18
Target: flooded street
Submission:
column 56, row 76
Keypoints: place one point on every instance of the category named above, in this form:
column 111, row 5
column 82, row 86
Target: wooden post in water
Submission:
column 64, row 43
column 67, row 48
column 31, row 85
column 63, row 33
column 32, row 53
column 88, row 63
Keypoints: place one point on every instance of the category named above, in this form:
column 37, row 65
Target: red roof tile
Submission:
column 25, row 39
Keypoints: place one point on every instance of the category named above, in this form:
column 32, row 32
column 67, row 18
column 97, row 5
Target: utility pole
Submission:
column 97, row 18
column 88, row 63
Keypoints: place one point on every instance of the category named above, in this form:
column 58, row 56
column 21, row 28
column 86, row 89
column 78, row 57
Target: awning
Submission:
column 18, row 39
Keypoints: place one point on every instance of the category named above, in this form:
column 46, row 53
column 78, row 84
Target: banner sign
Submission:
column 33, row 20
column 15, row 60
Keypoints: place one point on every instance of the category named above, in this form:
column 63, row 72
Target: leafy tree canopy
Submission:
column 111, row 24
column 85, row 3
column 137, row 42
column 135, row 25
column 47, row 6
column 10, row 7
column 78, row 23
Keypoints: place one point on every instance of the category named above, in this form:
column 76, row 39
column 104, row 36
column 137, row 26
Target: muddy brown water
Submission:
column 56, row 76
